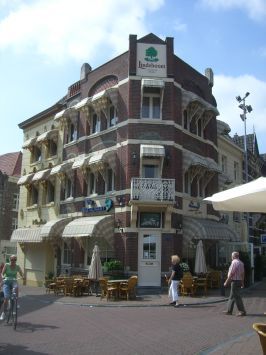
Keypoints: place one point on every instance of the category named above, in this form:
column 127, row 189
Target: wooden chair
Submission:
column 187, row 286
column 103, row 286
column 59, row 286
column 260, row 328
column 69, row 286
column 49, row 286
column 201, row 283
column 112, row 290
column 128, row 288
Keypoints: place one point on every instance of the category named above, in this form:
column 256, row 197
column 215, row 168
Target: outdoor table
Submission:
column 116, row 284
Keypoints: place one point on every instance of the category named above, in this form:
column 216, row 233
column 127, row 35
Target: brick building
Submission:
column 125, row 160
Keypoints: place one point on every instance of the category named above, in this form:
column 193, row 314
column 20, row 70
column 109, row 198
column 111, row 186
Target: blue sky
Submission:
column 43, row 44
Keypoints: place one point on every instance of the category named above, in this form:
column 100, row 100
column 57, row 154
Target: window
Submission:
column 199, row 127
column 14, row 223
column 110, row 180
column 185, row 119
column 67, row 254
column 49, row 193
column 33, row 195
column 186, row 183
column 151, row 103
column 112, row 116
column 36, row 154
column 236, row 171
column 71, row 132
column 236, row 217
column 149, row 247
column 68, row 188
column 224, row 163
column 150, row 171
column 96, row 124
column 91, row 184
column 15, row 202
column 51, row 148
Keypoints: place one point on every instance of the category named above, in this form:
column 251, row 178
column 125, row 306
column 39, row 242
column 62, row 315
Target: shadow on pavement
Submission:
column 24, row 327
column 17, row 349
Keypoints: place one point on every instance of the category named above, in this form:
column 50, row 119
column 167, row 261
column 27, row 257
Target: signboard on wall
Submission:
column 151, row 60
column 150, row 220
column 263, row 238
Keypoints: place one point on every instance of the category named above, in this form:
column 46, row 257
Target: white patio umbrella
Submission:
column 200, row 261
column 249, row 197
column 95, row 271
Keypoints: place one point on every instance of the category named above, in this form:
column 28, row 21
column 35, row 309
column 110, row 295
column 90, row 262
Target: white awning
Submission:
column 200, row 228
column 25, row 179
column 95, row 226
column 54, row 228
column 79, row 162
column 41, row 175
column 47, row 135
column 26, row 235
column 96, row 158
column 152, row 150
column 59, row 114
column 152, row 83
column 192, row 159
column 29, row 143
column 61, row 168
column 82, row 103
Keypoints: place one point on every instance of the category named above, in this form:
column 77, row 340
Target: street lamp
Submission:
column 246, row 109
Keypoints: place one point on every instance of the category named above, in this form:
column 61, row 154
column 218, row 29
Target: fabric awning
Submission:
column 200, row 228
column 95, row 159
column 60, row 114
column 41, row 175
column 152, row 83
column 54, row 227
column 79, row 162
column 26, row 235
column 152, row 150
column 95, row 226
column 82, row 103
column 61, row 168
column 192, row 159
column 47, row 135
column 29, row 143
column 25, row 179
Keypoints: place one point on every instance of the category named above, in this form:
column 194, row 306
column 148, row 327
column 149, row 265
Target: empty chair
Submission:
column 103, row 286
column 128, row 288
column 188, row 286
column 202, row 284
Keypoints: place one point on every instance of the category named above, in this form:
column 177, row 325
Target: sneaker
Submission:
column 3, row 316
column 241, row 314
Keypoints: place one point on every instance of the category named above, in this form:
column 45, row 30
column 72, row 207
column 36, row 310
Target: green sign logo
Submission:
column 151, row 55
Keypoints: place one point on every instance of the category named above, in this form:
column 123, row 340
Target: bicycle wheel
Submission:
column 9, row 310
column 15, row 313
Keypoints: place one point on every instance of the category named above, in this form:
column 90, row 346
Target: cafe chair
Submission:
column 103, row 286
column 187, row 286
column 202, row 283
column 112, row 290
column 69, row 287
column 128, row 288
column 260, row 328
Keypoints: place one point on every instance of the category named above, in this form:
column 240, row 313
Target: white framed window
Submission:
column 110, row 179
column 15, row 202
column 151, row 103
column 14, row 223
column 67, row 254
column 36, row 154
column 96, row 124
column 71, row 132
column 112, row 116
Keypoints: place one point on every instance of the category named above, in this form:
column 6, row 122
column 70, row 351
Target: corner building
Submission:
column 124, row 160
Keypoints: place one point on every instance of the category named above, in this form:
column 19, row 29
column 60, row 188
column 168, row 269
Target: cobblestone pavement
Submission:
column 88, row 325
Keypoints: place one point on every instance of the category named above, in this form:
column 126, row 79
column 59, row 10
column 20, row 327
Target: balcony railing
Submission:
column 146, row 189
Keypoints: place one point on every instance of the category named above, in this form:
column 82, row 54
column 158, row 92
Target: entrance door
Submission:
column 149, row 270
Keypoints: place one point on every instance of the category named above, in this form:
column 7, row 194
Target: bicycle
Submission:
column 12, row 311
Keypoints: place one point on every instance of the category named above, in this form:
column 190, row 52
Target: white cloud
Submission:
column 256, row 9
column 225, row 90
column 60, row 29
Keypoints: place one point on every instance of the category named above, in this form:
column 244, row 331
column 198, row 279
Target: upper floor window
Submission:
column 14, row 223
column 186, row 183
column 51, row 148
column 67, row 188
column 150, row 171
column 236, row 171
column 112, row 116
column 96, row 123
column 224, row 163
column 199, row 127
column 49, row 192
column 36, row 154
column 33, row 195
column 15, row 202
column 110, row 180
column 185, row 119
column 71, row 132
column 151, row 103
column 91, row 184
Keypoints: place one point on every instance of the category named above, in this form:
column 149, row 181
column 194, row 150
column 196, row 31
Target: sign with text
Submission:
column 151, row 60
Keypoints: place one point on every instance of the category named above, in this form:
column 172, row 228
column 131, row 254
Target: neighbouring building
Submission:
column 10, row 171
column 124, row 160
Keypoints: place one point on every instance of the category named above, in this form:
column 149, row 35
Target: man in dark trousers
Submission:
column 236, row 274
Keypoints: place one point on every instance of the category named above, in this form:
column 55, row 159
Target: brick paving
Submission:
column 72, row 325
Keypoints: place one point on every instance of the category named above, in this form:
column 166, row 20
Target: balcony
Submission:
column 151, row 190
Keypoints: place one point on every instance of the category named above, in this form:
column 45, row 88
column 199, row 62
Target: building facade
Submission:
column 124, row 160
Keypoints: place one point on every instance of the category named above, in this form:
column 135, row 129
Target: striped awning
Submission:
column 54, row 228
column 83, row 103
column 154, row 83
column 192, row 159
column 26, row 235
column 29, row 143
column 41, row 175
column 79, row 162
column 61, row 168
column 47, row 135
column 149, row 150
column 25, row 179
column 95, row 226
column 200, row 228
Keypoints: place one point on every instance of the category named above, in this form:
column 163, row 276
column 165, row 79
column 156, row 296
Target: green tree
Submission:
column 151, row 52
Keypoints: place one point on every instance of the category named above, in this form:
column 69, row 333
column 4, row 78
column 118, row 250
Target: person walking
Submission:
column 173, row 282
column 235, row 277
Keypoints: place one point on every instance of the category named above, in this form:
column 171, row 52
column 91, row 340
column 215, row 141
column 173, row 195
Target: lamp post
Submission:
column 246, row 109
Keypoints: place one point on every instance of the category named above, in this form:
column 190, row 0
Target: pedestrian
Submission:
column 1, row 284
column 173, row 282
column 235, row 277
